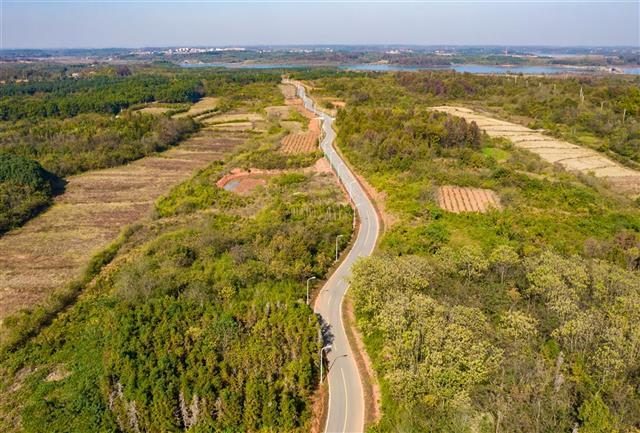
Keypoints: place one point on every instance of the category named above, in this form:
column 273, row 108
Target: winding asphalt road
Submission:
column 346, row 397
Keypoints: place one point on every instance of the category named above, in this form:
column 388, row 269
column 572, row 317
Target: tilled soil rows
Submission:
column 460, row 199
column 303, row 142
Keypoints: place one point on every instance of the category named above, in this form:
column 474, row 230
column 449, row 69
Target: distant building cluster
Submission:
column 184, row 50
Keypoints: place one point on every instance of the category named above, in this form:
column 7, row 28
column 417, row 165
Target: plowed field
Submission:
column 303, row 142
column 458, row 199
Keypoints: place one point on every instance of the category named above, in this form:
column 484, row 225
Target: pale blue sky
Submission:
column 58, row 24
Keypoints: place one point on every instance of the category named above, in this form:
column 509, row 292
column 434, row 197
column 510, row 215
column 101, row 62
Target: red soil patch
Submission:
column 458, row 199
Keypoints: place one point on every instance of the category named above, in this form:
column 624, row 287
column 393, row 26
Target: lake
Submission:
column 378, row 67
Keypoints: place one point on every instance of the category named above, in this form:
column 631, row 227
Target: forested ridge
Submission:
column 520, row 319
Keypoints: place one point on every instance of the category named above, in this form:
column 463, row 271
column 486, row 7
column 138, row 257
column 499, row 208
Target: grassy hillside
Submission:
column 517, row 319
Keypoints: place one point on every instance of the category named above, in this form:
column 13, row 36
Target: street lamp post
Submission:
column 337, row 237
column 327, row 347
column 308, row 280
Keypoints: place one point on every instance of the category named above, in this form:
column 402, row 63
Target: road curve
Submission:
column 345, row 411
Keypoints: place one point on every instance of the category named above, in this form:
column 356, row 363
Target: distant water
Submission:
column 379, row 67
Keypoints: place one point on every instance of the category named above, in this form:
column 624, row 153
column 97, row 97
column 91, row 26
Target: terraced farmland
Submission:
column 570, row 156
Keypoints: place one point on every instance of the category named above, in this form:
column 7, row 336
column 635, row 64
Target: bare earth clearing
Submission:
column 288, row 90
column 458, row 199
column 243, row 181
column 53, row 248
column 570, row 156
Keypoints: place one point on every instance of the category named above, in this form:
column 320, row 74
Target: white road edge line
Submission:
column 346, row 402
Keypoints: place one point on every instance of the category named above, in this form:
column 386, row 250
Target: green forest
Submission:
column 520, row 319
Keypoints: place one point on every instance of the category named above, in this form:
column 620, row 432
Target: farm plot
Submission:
column 202, row 106
column 278, row 112
column 233, row 117
column 153, row 109
column 303, row 142
column 570, row 156
column 459, row 199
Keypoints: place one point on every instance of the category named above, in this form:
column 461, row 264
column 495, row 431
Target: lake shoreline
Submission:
column 467, row 67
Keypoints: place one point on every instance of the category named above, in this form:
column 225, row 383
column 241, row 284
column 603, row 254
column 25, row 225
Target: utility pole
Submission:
column 308, row 281
column 327, row 347
column 337, row 237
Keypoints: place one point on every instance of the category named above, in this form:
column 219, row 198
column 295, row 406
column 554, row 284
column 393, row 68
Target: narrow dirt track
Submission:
column 570, row 156
column 54, row 248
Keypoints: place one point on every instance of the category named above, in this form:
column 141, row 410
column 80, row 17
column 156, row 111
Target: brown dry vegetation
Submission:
column 203, row 105
column 153, row 109
column 234, row 117
column 288, row 90
column 278, row 111
column 53, row 248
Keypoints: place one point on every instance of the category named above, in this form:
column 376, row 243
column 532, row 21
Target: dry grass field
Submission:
column 240, row 126
column 54, row 248
column 156, row 110
column 202, row 106
column 278, row 112
column 458, row 199
column 233, row 117
column 570, row 156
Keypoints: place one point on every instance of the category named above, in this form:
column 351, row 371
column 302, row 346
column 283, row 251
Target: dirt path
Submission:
column 570, row 156
column 53, row 248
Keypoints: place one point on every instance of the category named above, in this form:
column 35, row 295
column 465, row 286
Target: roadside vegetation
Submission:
column 520, row 319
